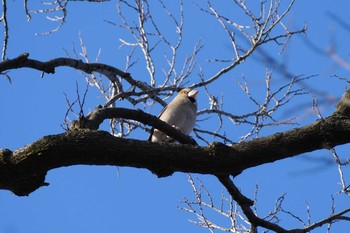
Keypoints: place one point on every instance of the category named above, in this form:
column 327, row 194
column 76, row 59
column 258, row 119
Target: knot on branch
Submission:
column 83, row 123
column 162, row 171
column 23, row 57
column 217, row 148
column 5, row 156
column 23, row 185
column 343, row 106
column 17, row 178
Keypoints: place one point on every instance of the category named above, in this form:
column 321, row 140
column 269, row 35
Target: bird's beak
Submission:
column 193, row 94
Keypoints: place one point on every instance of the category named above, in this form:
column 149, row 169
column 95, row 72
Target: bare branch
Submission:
column 263, row 26
column 6, row 29
column 50, row 66
column 331, row 219
column 245, row 203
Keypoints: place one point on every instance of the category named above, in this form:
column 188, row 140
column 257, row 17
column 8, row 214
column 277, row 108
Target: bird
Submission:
column 180, row 113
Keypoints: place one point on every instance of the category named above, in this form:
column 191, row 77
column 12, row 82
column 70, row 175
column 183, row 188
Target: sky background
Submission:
column 109, row 199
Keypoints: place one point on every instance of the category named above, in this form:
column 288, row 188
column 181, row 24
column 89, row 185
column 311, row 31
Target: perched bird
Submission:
column 180, row 113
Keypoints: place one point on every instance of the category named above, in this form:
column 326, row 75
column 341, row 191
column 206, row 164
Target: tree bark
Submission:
column 24, row 170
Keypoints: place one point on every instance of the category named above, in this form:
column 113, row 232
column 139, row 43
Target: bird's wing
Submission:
column 152, row 130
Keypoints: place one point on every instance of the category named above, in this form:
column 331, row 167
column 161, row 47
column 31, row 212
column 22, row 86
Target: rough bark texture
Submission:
column 24, row 170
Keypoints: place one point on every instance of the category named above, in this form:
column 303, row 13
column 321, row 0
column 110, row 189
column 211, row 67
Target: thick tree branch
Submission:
column 24, row 170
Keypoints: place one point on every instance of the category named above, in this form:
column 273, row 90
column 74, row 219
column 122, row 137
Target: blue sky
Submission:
column 109, row 199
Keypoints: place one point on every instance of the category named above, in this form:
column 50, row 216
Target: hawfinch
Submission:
column 180, row 113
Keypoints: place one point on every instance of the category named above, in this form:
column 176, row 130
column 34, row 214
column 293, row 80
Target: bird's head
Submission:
column 191, row 94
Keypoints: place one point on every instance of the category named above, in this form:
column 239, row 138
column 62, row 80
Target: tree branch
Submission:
column 24, row 170
column 95, row 118
column 245, row 204
column 331, row 219
column 49, row 67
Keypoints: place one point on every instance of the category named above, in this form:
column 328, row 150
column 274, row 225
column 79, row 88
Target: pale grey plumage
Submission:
column 181, row 113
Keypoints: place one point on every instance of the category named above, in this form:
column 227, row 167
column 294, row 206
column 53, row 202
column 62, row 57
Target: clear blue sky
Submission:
column 106, row 199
